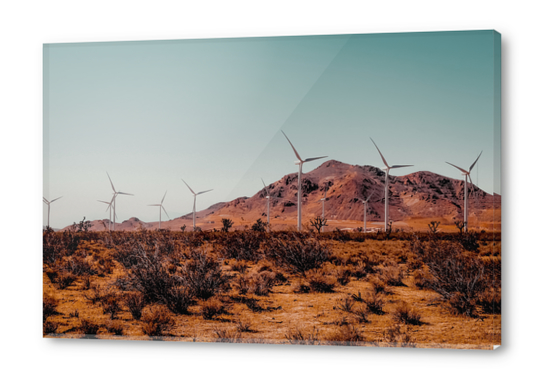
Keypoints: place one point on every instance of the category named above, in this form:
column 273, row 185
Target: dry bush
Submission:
column 261, row 283
column 241, row 246
column 399, row 335
column 406, row 314
column 301, row 287
column 239, row 266
column 135, row 302
column 64, row 280
column 227, row 335
column 50, row 327
column 320, row 282
column 298, row 254
column 203, row 275
column 490, row 301
column 111, row 305
column 392, row 275
column 178, row 299
column 375, row 302
column 115, row 327
column 95, row 294
column 242, row 283
column 156, row 321
column 358, row 311
column 297, row 336
column 458, row 276
column 49, row 307
column 244, row 326
column 74, row 314
column 423, row 279
column 88, row 327
column 213, row 307
column 346, row 334
column 379, row 286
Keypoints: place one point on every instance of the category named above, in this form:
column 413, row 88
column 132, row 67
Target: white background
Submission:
column 26, row 25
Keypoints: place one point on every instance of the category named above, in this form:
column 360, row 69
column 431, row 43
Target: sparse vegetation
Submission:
column 344, row 287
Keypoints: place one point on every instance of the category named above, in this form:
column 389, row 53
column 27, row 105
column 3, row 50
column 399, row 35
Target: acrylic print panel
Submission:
column 328, row 190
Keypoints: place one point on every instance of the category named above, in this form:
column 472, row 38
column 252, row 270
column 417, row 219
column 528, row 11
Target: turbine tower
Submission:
column 323, row 200
column 49, row 207
column 387, row 170
column 115, row 193
column 194, row 210
column 299, row 189
column 268, row 197
column 467, row 177
column 161, row 207
column 365, row 212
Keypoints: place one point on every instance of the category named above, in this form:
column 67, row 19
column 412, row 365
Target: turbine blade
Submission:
column 199, row 193
column 154, row 205
column 265, row 188
column 370, row 196
column 383, row 159
column 110, row 181
column 470, row 169
column 399, row 166
column 163, row 198
column 124, row 193
column 45, row 201
column 188, row 187
column 165, row 211
column 459, row 168
column 313, row 159
column 295, row 151
column 56, row 199
column 101, row 201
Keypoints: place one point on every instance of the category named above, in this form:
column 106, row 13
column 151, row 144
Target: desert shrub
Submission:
column 78, row 266
column 259, row 226
column 74, row 314
column 244, row 326
column 406, row 314
column 50, row 327
column 375, row 302
column 346, row 334
column 226, row 225
column 423, row 279
column 95, row 294
column 345, row 304
column 242, row 283
column 241, row 246
column 64, row 280
column 88, row 327
column 298, row 254
column 343, row 276
column 213, row 307
column 490, row 301
column 392, row 275
column 203, row 275
column 115, row 327
column 379, row 286
column 178, row 299
column 298, row 336
column 135, row 302
column 457, row 276
column 49, row 307
column 469, row 241
column 398, row 334
column 239, row 266
column 86, row 282
column 227, row 335
column 111, row 306
column 261, row 283
column 156, row 321
column 319, row 282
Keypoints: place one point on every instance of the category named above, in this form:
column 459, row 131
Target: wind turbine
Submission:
column 467, row 176
column 387, row 170
column 49, row 207
column 268, row 197
column 194, row 210
column 323, row 200
column 299, row 189
column 109, row 206
column 365, row 212
column 161, row 207
column 115, row 193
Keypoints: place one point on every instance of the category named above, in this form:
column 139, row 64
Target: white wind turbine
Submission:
column 387, row 170
column 161, row 207
column 194, row 210
column 365, row 212
column 299, row 189
column 467, row 177
column 109, row 207
column 115, row 193
column 323, row 200
column 49, row 207
column 268, row 197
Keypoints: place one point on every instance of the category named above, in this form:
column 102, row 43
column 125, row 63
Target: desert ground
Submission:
column 430, row 289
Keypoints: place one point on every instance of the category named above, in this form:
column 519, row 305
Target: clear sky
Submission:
column 210, row 112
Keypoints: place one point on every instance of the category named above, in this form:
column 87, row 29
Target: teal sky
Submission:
column 210, row 112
